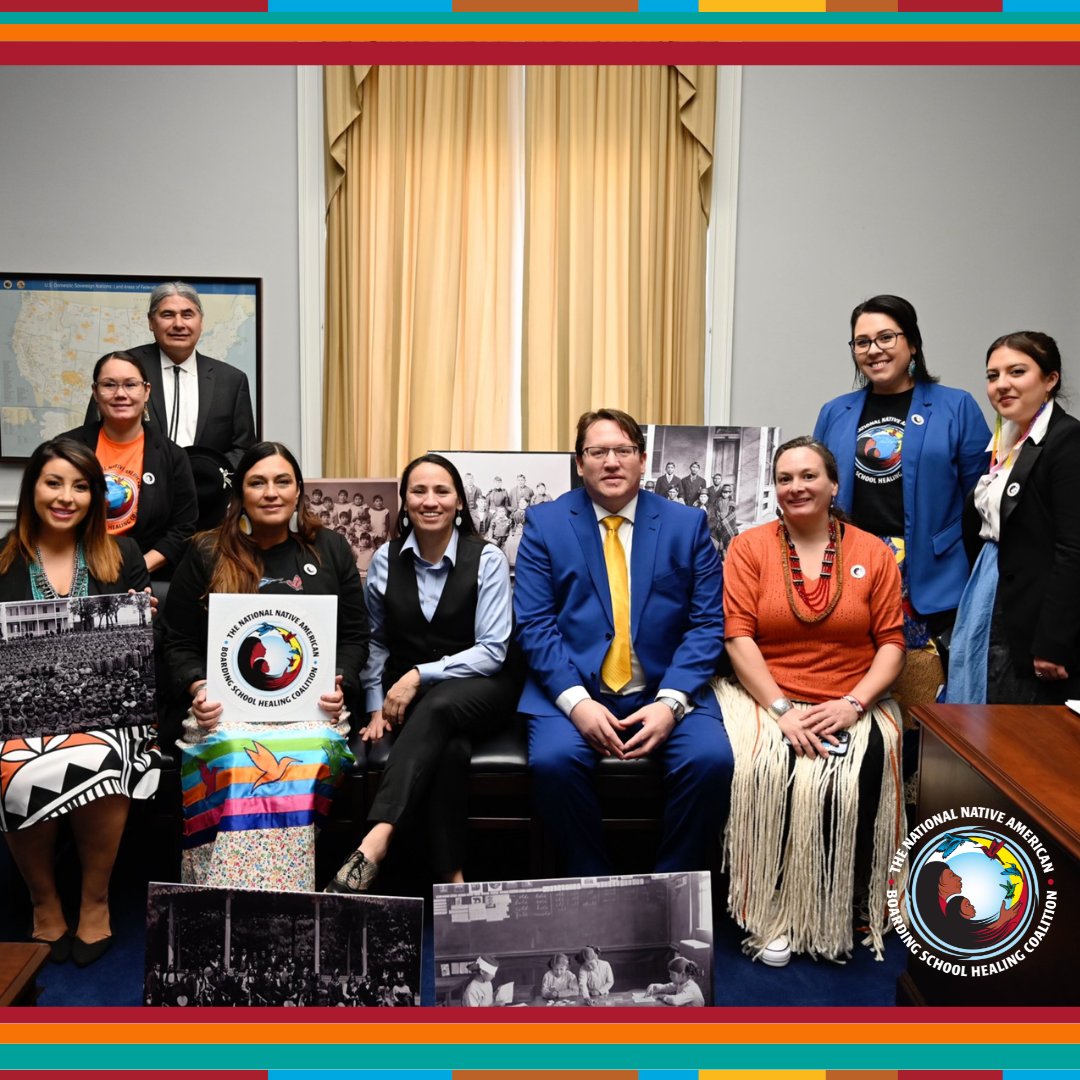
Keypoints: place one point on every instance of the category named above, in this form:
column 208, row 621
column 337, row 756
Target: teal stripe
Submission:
column 678, row 1056
column 469, row 18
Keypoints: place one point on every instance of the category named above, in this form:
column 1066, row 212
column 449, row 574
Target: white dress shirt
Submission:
column 189, row 398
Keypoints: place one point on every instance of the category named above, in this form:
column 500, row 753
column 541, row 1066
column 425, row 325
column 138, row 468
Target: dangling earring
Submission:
column 403, row 522
column 780, row 513
column 244, row 523
column 294, row 521
column 146, row 414
column 911, row 368
column 457, row 519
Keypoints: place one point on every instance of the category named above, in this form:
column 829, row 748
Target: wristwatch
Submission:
column 678, row 709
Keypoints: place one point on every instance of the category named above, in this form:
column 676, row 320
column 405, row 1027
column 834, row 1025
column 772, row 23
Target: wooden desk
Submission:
column 1025, row 761
column 19, row 962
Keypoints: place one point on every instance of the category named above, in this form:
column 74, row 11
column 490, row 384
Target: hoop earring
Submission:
column 294, row 521
column 244, row 523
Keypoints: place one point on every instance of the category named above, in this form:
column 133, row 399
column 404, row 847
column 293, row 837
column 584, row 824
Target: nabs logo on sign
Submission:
column 979, row 896
column 269, row 659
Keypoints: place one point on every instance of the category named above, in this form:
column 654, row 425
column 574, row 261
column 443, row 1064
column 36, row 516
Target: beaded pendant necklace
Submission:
column 42, row 587
column 816, row 598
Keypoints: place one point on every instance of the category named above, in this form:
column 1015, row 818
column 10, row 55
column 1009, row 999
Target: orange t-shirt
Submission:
column 123, row 465
column 813, row 661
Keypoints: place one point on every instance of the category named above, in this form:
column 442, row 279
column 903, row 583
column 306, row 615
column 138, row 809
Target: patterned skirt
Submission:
column 46, row 776
column 254, row 796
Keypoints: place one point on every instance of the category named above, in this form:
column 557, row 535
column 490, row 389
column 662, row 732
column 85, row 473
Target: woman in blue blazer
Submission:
column 909, row 451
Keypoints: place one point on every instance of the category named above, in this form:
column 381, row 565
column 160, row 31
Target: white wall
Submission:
column 954, row 187
column 163, row 171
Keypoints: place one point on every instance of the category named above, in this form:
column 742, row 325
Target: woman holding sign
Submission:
column 59, row 548
column 254, row 792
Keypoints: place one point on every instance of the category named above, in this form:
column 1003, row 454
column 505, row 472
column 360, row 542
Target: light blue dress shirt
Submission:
column 493, row 622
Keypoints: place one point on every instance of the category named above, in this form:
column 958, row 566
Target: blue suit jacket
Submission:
column 562, row 602
column 943, row 457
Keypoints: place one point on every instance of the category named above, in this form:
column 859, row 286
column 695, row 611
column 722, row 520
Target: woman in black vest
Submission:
column 439, row 602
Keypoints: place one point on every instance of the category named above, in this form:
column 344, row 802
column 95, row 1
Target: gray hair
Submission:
column 173, row 288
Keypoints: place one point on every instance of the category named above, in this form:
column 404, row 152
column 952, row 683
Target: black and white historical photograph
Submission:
column 726, row 472
column 632, row 940
column 363, row 511
column 71, row 665
column 230, row 947
column 501, row 485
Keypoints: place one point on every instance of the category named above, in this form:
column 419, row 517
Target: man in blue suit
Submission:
column 621, row 637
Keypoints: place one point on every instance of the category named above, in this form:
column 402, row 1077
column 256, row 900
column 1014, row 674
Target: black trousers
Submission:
column 426, row 778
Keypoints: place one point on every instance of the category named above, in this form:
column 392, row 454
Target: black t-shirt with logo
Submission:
column 878, row 505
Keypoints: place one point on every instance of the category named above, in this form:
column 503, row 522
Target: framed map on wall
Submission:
column 53, row 328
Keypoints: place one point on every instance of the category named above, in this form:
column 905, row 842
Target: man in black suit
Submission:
column 213, row 406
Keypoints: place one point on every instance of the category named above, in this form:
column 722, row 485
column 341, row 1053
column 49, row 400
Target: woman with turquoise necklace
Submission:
column 1017, row 636
column 89, row 771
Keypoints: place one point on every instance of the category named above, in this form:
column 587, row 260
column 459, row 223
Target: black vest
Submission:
column 410, row 638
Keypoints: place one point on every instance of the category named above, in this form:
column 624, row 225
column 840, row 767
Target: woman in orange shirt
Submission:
column 150, row 490
column 814, row 629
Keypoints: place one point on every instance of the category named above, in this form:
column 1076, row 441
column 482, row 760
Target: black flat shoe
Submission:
column 84, row 954
column 59, row 948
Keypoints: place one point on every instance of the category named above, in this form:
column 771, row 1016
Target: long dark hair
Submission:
column 101, row 552
column 466, row 528
column 239, row 566
column 902, row 312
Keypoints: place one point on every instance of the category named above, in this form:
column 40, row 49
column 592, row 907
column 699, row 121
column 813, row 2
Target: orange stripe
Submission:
column 428, row 32
column 275, row 1033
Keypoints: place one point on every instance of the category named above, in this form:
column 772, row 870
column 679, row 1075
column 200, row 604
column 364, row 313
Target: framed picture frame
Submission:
column 54, row 327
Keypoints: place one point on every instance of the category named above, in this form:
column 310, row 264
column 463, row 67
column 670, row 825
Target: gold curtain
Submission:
column 618, row 185
column 420, row 233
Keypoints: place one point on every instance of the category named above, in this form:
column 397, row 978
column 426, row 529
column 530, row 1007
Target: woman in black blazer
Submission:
column 68, row 748
column 1017, row 637
column 150, row 487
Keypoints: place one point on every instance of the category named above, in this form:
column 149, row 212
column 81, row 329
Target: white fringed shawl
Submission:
column 804, row 888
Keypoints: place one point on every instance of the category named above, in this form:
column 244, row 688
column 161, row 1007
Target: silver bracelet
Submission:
column 779, row 707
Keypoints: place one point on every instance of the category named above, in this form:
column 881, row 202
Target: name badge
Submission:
column 310, row 569
column 148, row 478
column 858, row 571
column 917, row 419
column 1012, row 489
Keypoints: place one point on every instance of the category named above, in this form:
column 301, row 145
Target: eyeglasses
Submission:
column 885, row 340
column 600, row 453
column 109, row 387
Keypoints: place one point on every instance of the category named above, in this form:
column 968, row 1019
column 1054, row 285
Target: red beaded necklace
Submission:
column 816, row 598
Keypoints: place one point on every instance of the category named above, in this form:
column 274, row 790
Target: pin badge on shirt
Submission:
column 148, row 478
column 917, row 419
column 310, row 569
column 1012, row 489
column 858, row 571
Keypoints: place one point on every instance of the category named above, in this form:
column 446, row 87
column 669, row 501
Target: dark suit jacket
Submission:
column 15, row 584
column 225, row 421
column 562, row 602
column 1039, row 552
column 168, row 508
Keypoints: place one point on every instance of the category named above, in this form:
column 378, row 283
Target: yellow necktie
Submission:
column 616, row 667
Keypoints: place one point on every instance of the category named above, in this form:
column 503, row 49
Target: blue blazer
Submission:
column 562, row 602
column 943, row 457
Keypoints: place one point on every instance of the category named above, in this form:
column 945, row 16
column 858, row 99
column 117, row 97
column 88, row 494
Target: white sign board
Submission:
column 270, row 657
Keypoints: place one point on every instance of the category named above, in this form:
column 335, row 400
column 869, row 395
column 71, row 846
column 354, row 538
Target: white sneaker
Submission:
column 777, row 953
